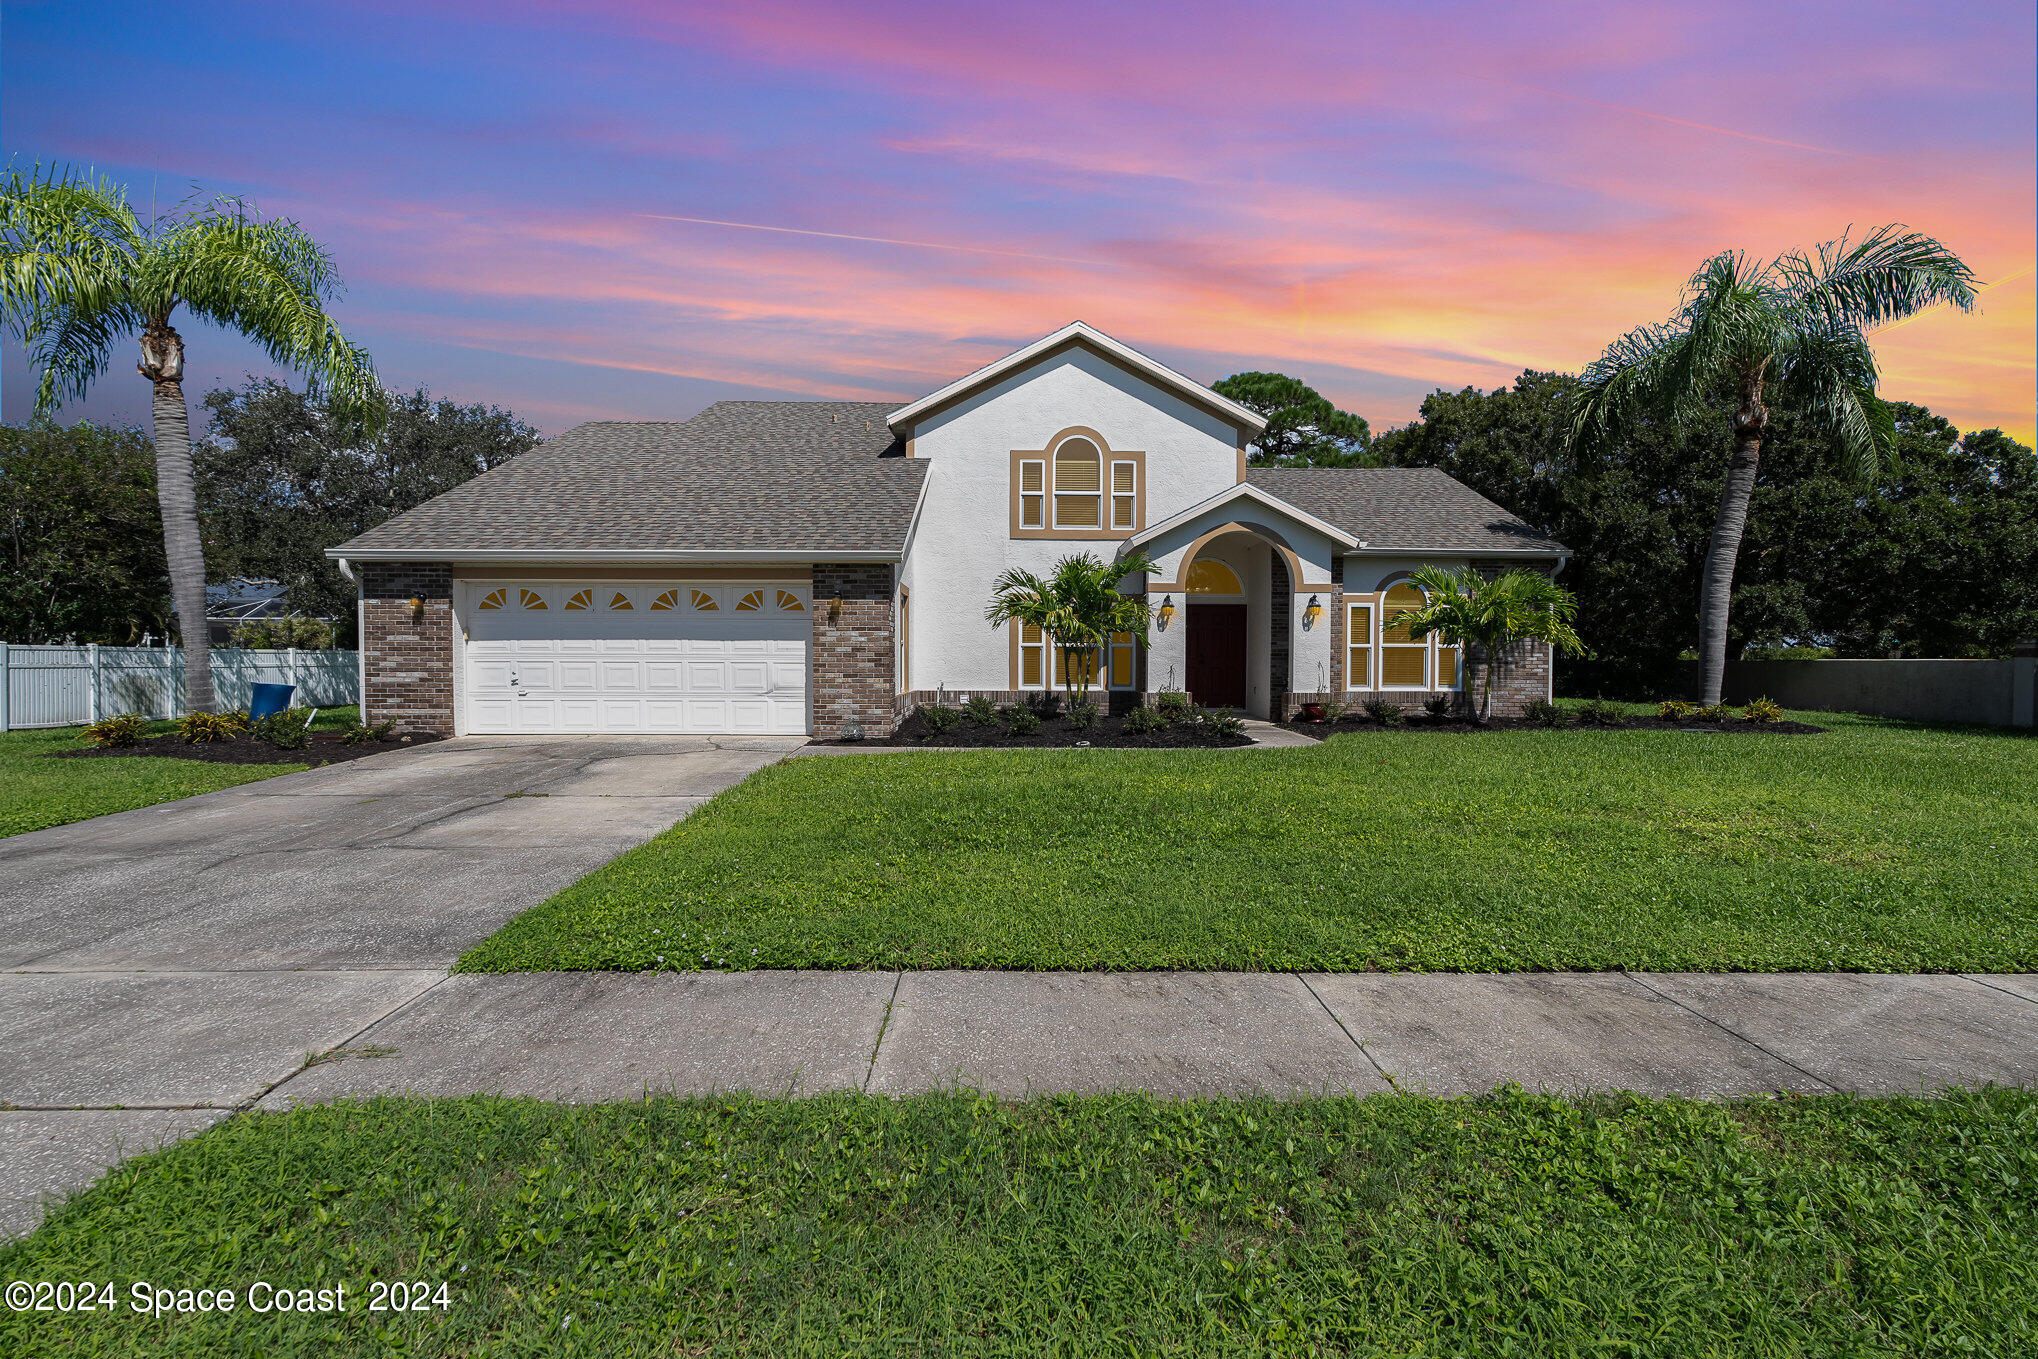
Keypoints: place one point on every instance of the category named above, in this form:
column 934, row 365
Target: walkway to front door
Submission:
column 1217, row 655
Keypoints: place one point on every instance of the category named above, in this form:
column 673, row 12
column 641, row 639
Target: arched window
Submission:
column 667, row 601
column 1210, row 577
column 495, row 599
column 704, row 602
column 750, row 603
column 788, row 602
column 620, row 602
column 1404, row 660
column 1078, row 485
column 531, row 599
column 581, row 599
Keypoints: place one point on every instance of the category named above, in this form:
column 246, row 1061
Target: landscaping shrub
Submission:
column 1173, row 705
column 1044, row 704
column 1600, row 713
column 1223, row 724
column 980, row 711
column 1438, row 705
column 1143, row 721
column 1713, row 712
column 1023, row 722
column 1335, row 712
column 1764, row 709
column 1543, row 713
column 356, row 733
column 121, row 730
column 1381, row 711
column 287, row 730
column 1675, row 710
column 939, row 716
column 207, row 727
column 1082, row 714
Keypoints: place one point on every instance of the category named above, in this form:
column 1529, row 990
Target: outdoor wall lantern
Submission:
column 1312, row 613
column 417, row 609
column 1167, row 609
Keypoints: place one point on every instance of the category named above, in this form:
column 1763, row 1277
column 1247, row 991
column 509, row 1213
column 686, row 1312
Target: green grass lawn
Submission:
column 1876, row 846
column 1513, row 1224
column 37, row 792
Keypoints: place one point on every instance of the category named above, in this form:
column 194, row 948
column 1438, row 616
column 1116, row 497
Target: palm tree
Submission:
column 79, row 270
column 1078, row 608
column 1795, row 328
column 1495, row 614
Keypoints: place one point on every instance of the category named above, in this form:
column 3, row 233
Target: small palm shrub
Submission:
column 939, row 717
column 1600, row 712
column 1764, row 710
column 1023, row 722
column 123, row 729
column 1173, row 705
column 359, row 733
column 1143, row 721
column 1438, row 705
column 194, row 728
column 287, row 730
column 1543, row 713
column 1381, row 711
column 1675, row 710
column 1082, row 714
column 1713, row 712
column 980, row 711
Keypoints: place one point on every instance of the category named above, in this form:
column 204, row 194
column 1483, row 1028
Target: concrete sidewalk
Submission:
column 114, row 1063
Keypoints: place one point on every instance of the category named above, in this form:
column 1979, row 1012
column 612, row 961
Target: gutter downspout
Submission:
column 360, row 637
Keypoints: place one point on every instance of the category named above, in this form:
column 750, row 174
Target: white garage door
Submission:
column 665, row 656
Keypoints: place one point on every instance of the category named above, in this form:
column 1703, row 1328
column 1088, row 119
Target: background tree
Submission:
column 79, row 270
column 1078, row 607
column 1493, row 613
column 1939, row 557
column 1795, row 327
column 79, row 535
column 282, row 476
column 1303, row 428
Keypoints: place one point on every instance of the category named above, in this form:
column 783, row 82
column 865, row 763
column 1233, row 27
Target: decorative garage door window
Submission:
column 651, row 656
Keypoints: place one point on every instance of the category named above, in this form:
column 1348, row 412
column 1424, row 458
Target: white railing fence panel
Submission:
column 61, row 686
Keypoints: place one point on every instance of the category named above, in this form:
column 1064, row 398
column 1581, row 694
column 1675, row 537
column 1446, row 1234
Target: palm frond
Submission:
column 67, row 249
column 1892, row 273
column 269, row 281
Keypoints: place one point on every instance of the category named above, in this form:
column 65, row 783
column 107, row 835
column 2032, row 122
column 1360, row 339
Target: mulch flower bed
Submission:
column 1424, row 722
column 324, row 748
column 1107, row 732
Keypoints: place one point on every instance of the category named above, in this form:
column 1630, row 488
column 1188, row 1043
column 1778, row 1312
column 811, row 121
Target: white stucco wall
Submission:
column 964, row 540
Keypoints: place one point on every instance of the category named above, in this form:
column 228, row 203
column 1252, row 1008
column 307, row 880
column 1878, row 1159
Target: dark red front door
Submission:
column 1217, row 655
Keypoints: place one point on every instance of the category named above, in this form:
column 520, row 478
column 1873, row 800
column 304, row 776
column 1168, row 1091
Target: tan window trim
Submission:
column 1108, row 458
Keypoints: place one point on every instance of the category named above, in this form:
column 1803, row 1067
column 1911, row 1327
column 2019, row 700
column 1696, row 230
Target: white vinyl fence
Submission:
column 61, row 686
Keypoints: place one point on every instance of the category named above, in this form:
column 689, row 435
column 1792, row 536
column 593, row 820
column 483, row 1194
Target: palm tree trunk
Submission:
column 1716, row 590
column 177, row 497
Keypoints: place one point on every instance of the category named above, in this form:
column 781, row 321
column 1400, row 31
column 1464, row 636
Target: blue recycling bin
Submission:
column 269, row 699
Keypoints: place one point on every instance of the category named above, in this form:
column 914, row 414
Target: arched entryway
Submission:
column 1219, row 620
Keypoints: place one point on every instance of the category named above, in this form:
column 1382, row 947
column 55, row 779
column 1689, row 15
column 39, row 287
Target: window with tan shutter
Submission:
column 1032, row 653
column 1078, row 485
column 1033, row 495
column 1124, row 660
column 1124, row 495
column 1404, row 659
column 1358, row 646
column 1075, row 665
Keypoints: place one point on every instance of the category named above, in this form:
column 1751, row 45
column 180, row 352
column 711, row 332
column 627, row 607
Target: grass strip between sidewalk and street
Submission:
column 958, row 1224
column 1875, row 846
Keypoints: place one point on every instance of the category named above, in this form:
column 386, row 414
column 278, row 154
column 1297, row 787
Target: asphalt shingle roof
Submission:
column 1418, row 508
column 740, row 476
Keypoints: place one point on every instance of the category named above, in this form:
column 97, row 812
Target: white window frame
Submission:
column 1131, row 497
column 1044, row 495
column 1046, row 648
column 1370, row 645
column 1100, row 495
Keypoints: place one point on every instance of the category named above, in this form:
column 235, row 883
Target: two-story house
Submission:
column 822, row 566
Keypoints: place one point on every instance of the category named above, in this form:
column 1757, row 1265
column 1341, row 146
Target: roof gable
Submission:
column 1077, row 335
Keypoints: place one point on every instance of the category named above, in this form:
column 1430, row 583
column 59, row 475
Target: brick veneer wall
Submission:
column 407, row 656
column 855, row 650
column 1115, row 702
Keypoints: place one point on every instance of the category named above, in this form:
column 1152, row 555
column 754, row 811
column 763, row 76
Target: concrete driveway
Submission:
column 161, row 965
